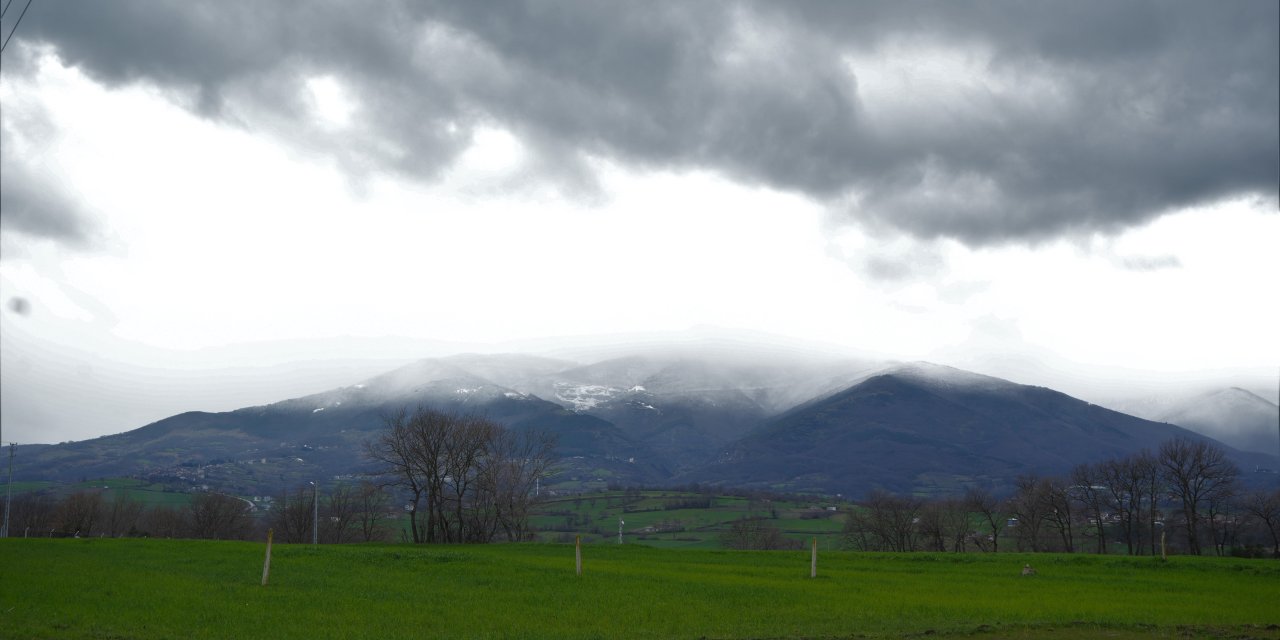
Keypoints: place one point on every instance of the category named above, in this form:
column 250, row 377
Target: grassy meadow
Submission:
column 147, row 493
column 136, row 589
column 674, row 519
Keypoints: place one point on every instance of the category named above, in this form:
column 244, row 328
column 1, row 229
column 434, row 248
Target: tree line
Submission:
column 88, row 513
column 1185, row 496
column 342, row 513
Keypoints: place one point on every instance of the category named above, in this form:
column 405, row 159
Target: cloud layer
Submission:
column 986, row 122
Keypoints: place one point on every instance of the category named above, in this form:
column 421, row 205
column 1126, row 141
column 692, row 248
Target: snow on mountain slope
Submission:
column 1234, row 416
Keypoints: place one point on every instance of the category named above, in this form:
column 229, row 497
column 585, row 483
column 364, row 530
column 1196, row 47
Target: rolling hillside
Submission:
column 931, row 429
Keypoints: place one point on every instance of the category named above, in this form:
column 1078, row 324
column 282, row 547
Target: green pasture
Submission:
column 648, row 521
column 20, row 488
column 149, row 494
column 139, row 589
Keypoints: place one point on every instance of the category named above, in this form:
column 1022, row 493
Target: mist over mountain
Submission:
column 924, row 428
column 1235, row 416
column 323, row 434
column 777, row 420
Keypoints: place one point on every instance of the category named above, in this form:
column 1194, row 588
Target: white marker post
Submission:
column 266, row 564
column 577, row 554
column 813, row 559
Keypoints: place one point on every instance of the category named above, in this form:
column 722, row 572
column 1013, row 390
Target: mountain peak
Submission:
column 943, row 376
column 921, row 427
column 1245, row 395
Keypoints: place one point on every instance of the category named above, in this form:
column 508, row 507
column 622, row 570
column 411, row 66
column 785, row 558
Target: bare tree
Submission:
column 756, row 534
column 1088, row 491
column 1221, row 516
column 1195, row 472
column 955, row 521
column 411, row 452
column 466, row 445
column 886, row 522
column 291, row 515
column 122, row 514
column 857, row 533
column 81, row 513
column 515, row 462
column 1265, row 507
column 1128, row 481
column 338, row 513
column 986, row 505
column 371, row 511
column 1059, row 513
column 1031, row 505
column 165, row 522
column 1156, row 490
column 219, row 517
column 471, row 477
column 932, row 527
column 32, row 514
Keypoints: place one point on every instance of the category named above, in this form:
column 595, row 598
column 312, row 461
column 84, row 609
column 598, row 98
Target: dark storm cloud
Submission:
column 1108, row 113
column 32, row 200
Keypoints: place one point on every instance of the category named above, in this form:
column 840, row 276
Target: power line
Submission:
column 6, row 8
column 15, row 24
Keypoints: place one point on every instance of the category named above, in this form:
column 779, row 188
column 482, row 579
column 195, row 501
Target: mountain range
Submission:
column 825, row 425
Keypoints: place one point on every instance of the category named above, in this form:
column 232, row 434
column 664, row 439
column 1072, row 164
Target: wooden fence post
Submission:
column 813, row 559
column 577, row 554
column 266, row 564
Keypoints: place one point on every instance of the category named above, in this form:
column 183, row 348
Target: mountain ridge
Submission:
column 1234, row 415
column 653, row 420
column 906, row 431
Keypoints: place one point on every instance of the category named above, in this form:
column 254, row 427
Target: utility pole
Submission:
column 315, row 513
column 8, row 493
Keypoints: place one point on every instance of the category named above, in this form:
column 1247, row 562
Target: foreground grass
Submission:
column 182, row 589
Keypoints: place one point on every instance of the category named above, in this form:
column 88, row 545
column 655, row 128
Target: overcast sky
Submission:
column 208, row 205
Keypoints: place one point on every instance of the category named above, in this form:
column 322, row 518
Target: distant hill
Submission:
column 1233, row 416
column 929, row 429
column 323, row 435
column 830, row 426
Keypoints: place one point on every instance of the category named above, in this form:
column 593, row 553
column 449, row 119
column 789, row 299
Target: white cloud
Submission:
column 910, row 86
column 45, row 294
column 1211, row 312
column 331, row 102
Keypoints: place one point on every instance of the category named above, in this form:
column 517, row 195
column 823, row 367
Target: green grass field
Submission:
column 148, row 493
column 648, row 521
column 136, row 589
